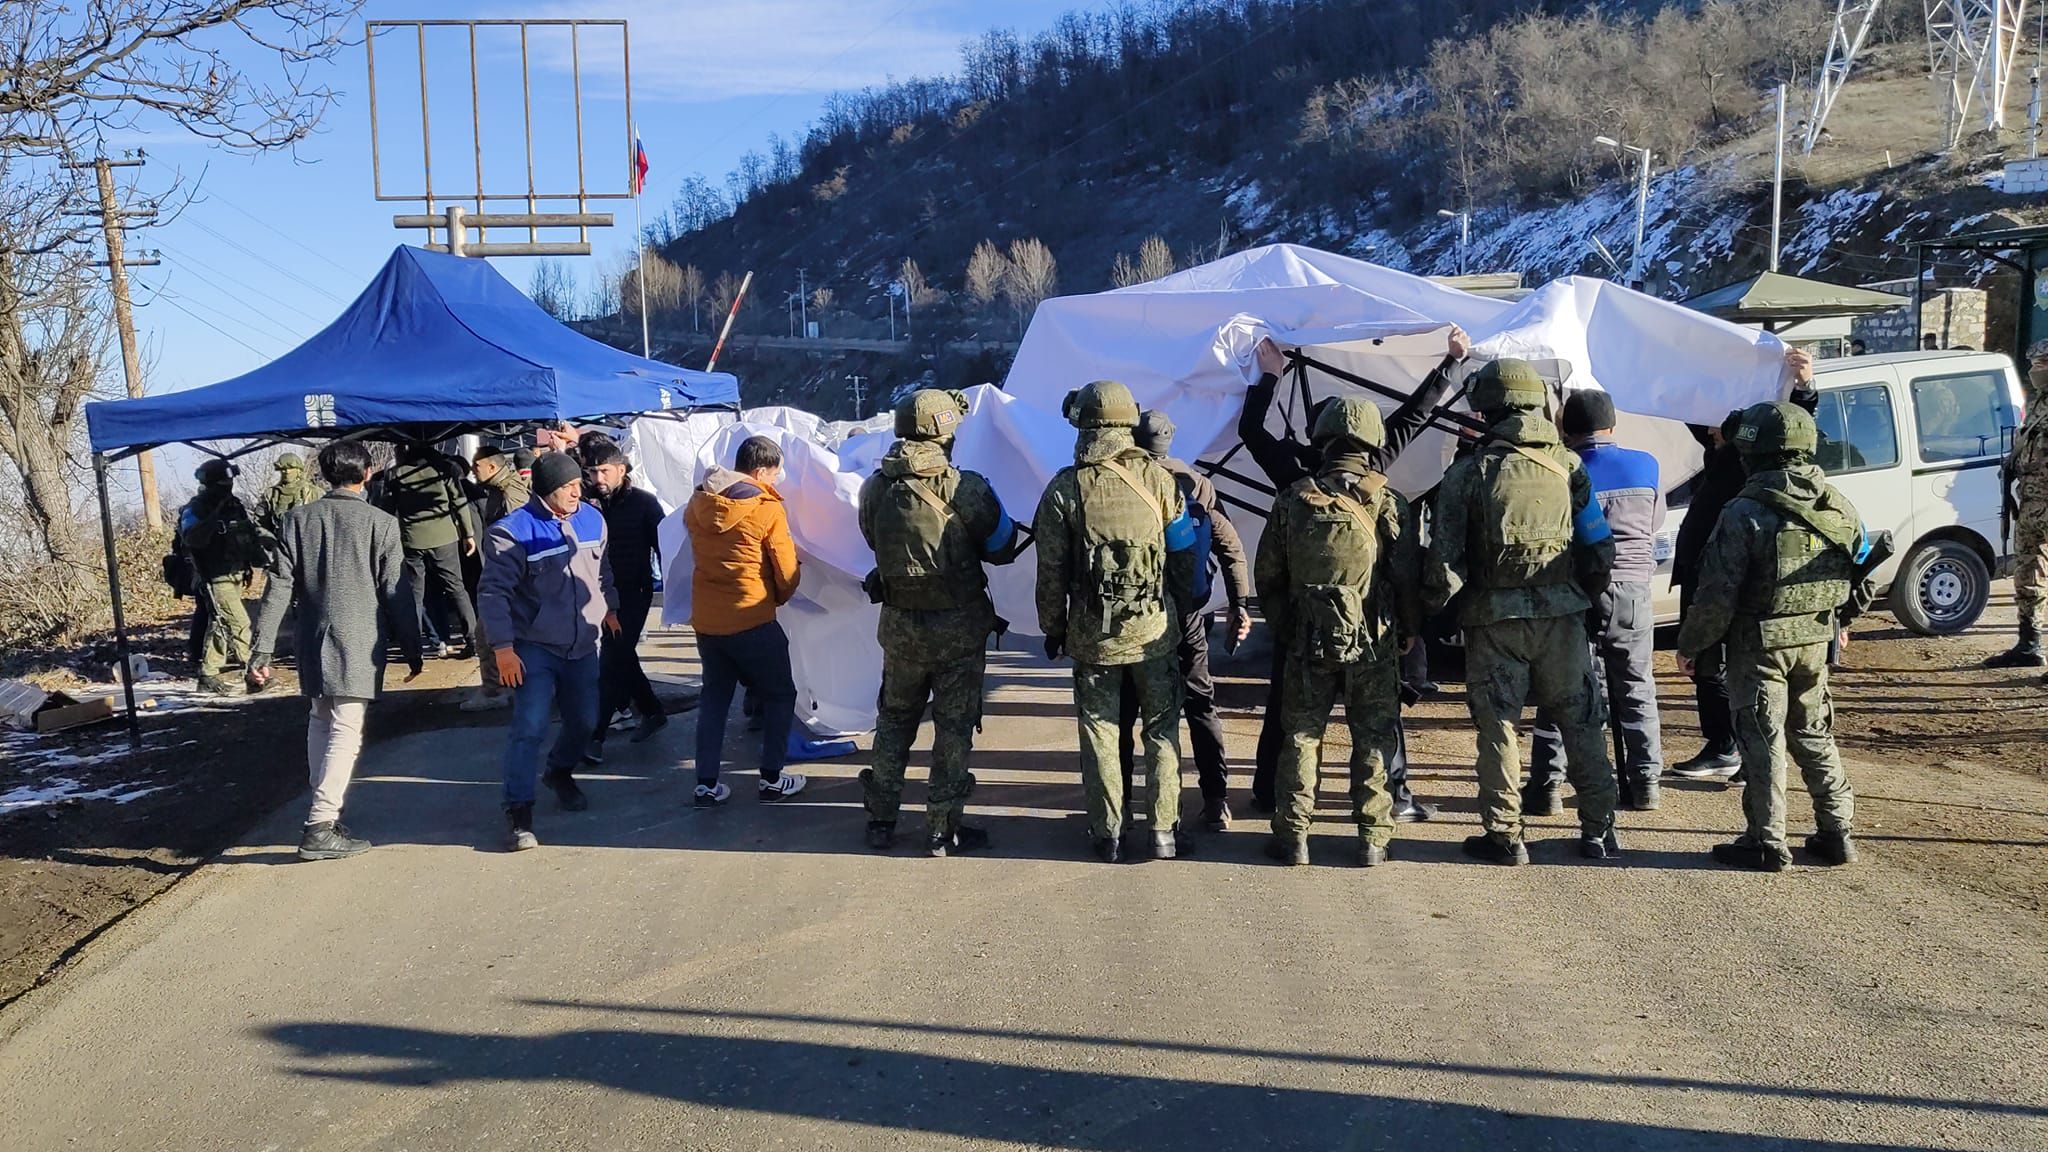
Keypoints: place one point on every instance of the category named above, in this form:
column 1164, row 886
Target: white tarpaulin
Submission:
column 1185, row 344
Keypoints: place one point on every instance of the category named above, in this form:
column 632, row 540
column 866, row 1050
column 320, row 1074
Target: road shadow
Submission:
column 926, row 1093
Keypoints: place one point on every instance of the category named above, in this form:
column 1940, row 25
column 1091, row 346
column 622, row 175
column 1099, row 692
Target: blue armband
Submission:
column 1004, row 532
column 1590, row 526
column 1180, row 535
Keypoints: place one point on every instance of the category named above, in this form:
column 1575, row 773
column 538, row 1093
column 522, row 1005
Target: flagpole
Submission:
column 640, row 245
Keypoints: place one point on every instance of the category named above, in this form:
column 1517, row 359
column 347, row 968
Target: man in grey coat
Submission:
column 341, row 557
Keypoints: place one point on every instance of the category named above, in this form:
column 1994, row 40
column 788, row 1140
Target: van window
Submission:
column 1961, row 417
column 1856, row 429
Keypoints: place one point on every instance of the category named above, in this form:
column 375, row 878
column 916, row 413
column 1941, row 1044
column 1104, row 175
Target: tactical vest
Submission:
column 1333, row 547
column 1122, row 568
column 922, row 550
column 1810, row 579
column 1524, row 519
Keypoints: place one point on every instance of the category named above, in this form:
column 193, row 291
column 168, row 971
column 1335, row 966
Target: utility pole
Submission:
column 803, row 305
column 1778, row 182
column 112, row 219
column 860, row 395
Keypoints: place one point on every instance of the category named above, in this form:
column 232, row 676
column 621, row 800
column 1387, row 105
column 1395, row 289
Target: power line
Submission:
column 173, row 301
column 262, row 259
column 193, row 265
column 288, row 237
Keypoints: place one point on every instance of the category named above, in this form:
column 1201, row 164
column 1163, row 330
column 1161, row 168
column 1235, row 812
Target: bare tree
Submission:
column 821, row 298
column 1031, row 277
column 690, row 283
column 915, row 288
column 553, row 288
column 987, row 270
column 1155, row 259
column 1123, row 273
column 72, row 72
column 724, row 291
column 664, row 283
column 606, row 282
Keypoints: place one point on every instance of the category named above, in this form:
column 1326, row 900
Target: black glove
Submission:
column 1055, row 647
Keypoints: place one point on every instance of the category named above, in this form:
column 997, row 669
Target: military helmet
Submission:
column 1103, row 404
column 1351, row 417
column 1507, row 383
column 930, row 414
column 1773, row 429
column 289, row 462
column 215, row 471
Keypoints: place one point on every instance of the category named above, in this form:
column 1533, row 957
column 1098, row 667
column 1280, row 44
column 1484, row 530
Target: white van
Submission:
column 1914, row 440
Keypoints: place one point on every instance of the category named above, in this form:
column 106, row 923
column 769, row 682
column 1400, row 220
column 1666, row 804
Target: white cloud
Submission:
column 711, row 51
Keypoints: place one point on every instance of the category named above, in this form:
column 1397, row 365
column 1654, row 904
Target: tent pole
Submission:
column 99, row 471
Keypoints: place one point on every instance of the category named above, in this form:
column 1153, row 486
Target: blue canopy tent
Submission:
column 437, row 346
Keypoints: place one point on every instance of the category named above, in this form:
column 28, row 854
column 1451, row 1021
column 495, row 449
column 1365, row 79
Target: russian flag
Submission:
column 639, row 163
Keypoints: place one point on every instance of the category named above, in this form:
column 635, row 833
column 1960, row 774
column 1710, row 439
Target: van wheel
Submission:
column 1941, row 588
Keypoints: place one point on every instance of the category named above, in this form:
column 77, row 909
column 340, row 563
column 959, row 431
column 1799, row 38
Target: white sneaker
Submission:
column 482, row 700
column 782, row 787
column 712, row 795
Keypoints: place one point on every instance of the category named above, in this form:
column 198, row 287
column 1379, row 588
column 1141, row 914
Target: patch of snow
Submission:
column 62, row 789
column 1250, row 206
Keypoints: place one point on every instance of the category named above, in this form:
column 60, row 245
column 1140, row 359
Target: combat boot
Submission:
column 1495, row 848
column 962, row 838
column 219, row 686
column 1170, row 844
column 1747, row 853
column 881, row 835
column 1600, row 846
column 1411, row 811
column 567, row 793
column 2025, row 654
column 1371, row 855
column 1216, row 815
column 1541, row 800
column 1108, row 849
column 329, row 841
column 520, row 836
column 1291, row 852
column 1836, row 848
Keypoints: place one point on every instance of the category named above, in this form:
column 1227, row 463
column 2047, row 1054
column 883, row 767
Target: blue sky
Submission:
column 274, row 246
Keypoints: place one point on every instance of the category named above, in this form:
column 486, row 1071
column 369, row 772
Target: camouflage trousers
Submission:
column 227, row 631
column 953, row 687
column 1783, row 711
column 1512, row 663
column 2030, row 557
column 1371, row 694
column 1098, row 700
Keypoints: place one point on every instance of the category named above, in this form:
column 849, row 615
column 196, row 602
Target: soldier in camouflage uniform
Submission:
column 1776, row 582
column 1104, row 528
column 2025, row 489
column 932, row 526
column 293, row 489
column 225, row 545
column 1336, row 572
column 1518, row 532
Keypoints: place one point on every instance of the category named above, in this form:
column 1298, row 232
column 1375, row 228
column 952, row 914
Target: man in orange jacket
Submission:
column 745, row 568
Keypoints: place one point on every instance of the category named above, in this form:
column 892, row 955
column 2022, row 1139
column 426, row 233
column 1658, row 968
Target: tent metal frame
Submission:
column 428, row 433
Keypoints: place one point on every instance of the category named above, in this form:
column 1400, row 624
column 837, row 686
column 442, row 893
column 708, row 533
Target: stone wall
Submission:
column 1953, row 316
column 2025, row 177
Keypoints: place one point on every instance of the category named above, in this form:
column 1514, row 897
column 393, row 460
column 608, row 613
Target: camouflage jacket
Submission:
column 2027, row 467
column 939, row 634
column 1754, row 590
column 1454, row 564
column 1393, row 599
column 1067, row 612
column 292, row 490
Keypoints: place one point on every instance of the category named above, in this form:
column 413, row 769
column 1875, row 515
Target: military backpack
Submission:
column 1332, row 550
column 1811, row 574
column 1525, row 518
column 923, row 556
column 1122, row 573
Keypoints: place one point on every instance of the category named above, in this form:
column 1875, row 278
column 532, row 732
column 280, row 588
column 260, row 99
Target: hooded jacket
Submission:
column 743, row 555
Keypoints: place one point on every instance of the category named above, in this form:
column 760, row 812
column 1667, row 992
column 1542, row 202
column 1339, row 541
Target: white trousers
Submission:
column 334, row 737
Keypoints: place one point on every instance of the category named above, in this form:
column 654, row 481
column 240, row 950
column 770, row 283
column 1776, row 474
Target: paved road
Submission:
column 658, row 977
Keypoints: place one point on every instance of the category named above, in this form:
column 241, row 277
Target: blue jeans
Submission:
column 550, row 680
column 758, row 658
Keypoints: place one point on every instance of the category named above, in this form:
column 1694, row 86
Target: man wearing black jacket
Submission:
column 1718, row 483
column 632, row 518
column 1286, row 461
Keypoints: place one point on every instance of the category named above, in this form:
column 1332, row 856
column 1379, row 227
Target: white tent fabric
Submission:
column 1185, row 344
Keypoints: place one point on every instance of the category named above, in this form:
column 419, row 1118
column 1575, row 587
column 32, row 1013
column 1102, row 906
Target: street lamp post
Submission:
column 1642, row 155
column 1464, row 220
